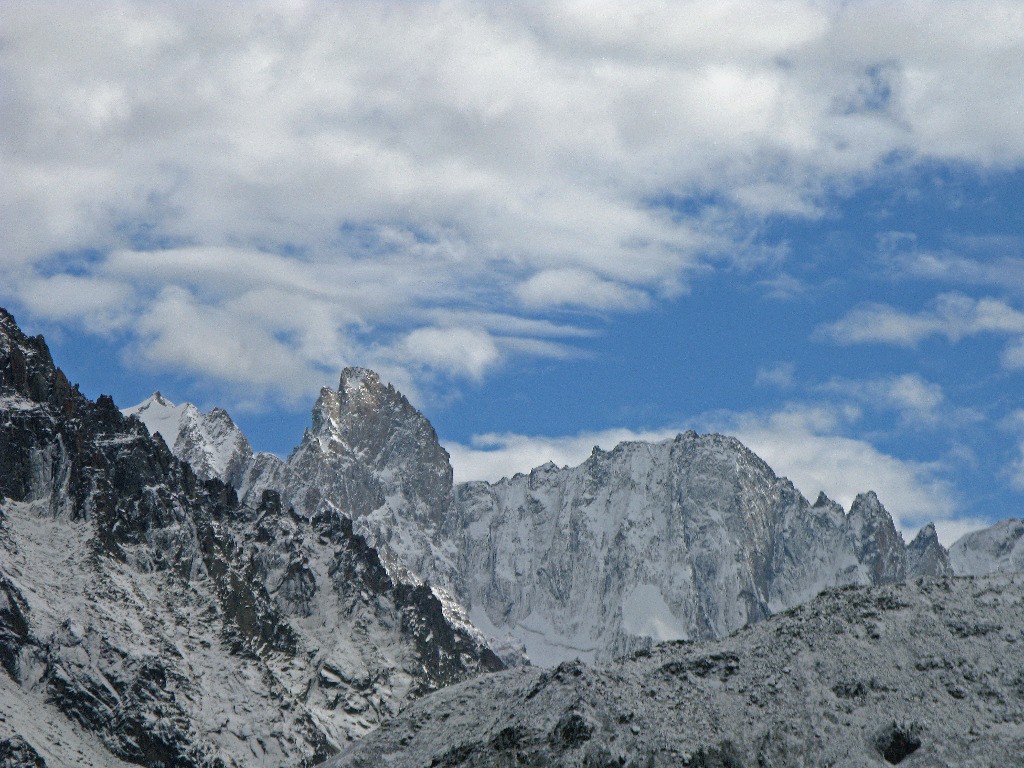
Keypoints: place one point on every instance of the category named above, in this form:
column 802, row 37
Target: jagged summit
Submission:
column 27, row 369
column 926, row 556
column 879, row 546
column 160, row 415
column 210, row 442
column 355, row 379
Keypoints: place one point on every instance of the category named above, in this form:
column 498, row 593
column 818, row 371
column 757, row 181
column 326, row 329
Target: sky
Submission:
column 551, row 225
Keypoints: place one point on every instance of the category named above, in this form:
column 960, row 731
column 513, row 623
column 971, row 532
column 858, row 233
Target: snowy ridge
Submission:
column 999, row 548
column 210, row 442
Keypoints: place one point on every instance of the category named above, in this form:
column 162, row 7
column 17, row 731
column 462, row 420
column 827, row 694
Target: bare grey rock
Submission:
column 926, row 556
column 689, row 538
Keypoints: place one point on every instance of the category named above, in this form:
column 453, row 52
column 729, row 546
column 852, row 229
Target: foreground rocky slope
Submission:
column 927, row 673
column 148, row 617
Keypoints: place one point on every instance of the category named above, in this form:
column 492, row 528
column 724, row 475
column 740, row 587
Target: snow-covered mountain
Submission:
column 149, row 618
column 926, row 674
column 209, row 442
column 688, row 538
column 180, row 601
column 997, row 548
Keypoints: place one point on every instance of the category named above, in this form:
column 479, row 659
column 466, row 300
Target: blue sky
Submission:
column 553, row 225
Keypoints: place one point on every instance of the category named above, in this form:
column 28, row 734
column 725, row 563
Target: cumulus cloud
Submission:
column 378, row 162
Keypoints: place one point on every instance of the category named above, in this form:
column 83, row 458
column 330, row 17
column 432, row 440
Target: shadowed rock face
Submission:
column 926, row 673
column 158, row 621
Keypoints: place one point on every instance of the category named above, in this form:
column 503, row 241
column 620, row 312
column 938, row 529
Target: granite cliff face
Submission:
column 925, row 674
column 691, row 538
column 148, row 617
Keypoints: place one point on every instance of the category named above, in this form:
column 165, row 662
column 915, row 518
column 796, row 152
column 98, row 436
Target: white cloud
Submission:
column 379, row 162
column 101, row 304
column 917, row 400
column 179, row 333
column 462, row 351
column 952, row 315
column 779, row 375
column 1004, row 272
column 577, row 287
column 1014, row 471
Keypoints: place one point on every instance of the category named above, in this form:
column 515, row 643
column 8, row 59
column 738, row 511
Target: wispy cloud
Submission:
column 952, row 315
column 918, row 401
column 782, row 375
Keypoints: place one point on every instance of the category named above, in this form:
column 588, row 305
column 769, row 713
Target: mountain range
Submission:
column 168, row 596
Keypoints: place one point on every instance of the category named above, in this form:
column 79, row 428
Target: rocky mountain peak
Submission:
column 926, row 556
column 210, row 442
column 356, row 382
column 367, row 428
column 27, row 369
column 879, row 546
